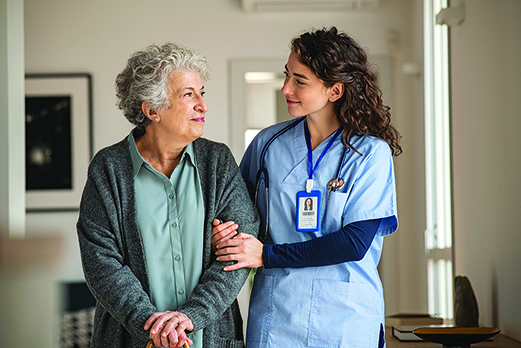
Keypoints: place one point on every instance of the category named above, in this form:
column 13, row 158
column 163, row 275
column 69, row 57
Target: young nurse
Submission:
column 317, row 283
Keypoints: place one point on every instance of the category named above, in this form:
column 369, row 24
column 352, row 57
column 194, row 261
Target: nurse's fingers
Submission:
column 244, row 241
column 219, row 225
column 223, row 246
column 223, row 228
column 246, row 262
column 217, row 222
column 245, row 249
column 222, row 232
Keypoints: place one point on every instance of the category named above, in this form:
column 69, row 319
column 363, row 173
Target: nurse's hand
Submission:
column 222, row 231
column 244, row 248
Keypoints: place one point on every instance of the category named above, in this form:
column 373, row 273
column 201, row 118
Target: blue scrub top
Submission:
column 331, row 306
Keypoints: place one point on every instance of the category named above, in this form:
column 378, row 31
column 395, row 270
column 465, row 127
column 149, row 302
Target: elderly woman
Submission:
column 145, row 217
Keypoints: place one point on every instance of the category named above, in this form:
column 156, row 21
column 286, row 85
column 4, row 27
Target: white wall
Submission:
column 403, row 264
column 12, row 198
column 486, row 120
column 98, row 36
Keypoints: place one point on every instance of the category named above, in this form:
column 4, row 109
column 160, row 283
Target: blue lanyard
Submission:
column 311, row 169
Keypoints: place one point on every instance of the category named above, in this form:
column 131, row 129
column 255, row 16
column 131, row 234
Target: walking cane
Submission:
column 150, row 344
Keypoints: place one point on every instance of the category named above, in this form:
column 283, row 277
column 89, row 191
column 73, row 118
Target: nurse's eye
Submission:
column 189, row 94
column 299, row 82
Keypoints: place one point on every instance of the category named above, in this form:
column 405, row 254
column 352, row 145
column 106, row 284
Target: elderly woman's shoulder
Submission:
column 118, row 150
column 211, row 146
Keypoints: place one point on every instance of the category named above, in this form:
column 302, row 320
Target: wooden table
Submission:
column 498, row 341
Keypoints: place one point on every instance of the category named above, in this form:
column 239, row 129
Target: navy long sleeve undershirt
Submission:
column 348, row 244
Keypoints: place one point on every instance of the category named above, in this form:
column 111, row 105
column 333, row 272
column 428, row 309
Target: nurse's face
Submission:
column 305, row 92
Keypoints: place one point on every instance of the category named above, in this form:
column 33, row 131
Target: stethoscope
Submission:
column 263, row 175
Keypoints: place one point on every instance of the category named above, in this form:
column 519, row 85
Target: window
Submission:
column 438, row 233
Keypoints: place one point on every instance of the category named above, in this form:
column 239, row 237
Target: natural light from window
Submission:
column 438, row 233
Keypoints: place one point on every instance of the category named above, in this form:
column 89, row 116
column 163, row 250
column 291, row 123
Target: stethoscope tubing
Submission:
column 275, row 136
column 263, row 171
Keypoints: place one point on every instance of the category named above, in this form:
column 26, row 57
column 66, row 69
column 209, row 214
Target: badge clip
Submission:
column 309, row 185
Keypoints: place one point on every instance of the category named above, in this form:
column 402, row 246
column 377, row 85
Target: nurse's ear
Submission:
column 335, row 92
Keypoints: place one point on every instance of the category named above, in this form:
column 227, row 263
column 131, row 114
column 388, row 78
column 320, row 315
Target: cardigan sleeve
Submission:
column 104, row 251
column 226, row 198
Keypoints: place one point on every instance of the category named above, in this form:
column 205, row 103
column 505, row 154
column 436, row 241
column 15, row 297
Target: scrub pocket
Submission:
column 343, row 315
column 335, row 204
column 261, row 309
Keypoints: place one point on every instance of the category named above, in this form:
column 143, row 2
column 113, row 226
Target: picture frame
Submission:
column 58, row 110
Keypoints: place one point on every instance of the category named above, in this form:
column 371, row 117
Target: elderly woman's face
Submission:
column 185, row 116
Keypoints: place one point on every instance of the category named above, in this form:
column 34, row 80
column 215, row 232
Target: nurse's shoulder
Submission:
column 370, row 145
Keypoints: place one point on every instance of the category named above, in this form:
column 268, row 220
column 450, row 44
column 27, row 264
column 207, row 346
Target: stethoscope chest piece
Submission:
column 335, row 184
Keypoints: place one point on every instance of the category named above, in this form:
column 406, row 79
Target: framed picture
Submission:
column 57, row 140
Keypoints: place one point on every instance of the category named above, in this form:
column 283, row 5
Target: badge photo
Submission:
column 308, row 211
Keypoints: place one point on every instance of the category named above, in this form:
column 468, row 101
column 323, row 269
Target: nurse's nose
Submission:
column 285, row 88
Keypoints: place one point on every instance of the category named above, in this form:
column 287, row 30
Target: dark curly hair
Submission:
column 335, row 57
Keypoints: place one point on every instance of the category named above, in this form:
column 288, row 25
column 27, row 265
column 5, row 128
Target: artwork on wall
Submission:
column 57, row 140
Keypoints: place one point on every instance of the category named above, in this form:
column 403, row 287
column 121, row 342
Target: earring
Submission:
column 157, row 119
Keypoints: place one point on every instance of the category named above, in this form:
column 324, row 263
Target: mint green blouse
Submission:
column 170, row 214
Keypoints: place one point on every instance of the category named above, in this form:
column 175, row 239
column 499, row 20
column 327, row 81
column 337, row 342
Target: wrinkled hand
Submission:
column 167, row 329
column 222, row 232
column 243, row 248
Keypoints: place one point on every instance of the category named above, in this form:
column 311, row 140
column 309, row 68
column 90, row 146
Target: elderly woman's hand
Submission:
column 167, row 329
column 222, row 232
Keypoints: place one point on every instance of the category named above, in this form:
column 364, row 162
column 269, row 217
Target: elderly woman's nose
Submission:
column 201, row 105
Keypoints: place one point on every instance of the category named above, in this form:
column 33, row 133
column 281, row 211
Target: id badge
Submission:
column 308, row 211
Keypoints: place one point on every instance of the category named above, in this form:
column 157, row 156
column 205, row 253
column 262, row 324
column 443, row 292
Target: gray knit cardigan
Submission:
column 113, row 257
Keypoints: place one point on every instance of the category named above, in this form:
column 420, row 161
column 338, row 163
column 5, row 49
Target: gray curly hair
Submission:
column 147, row 75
